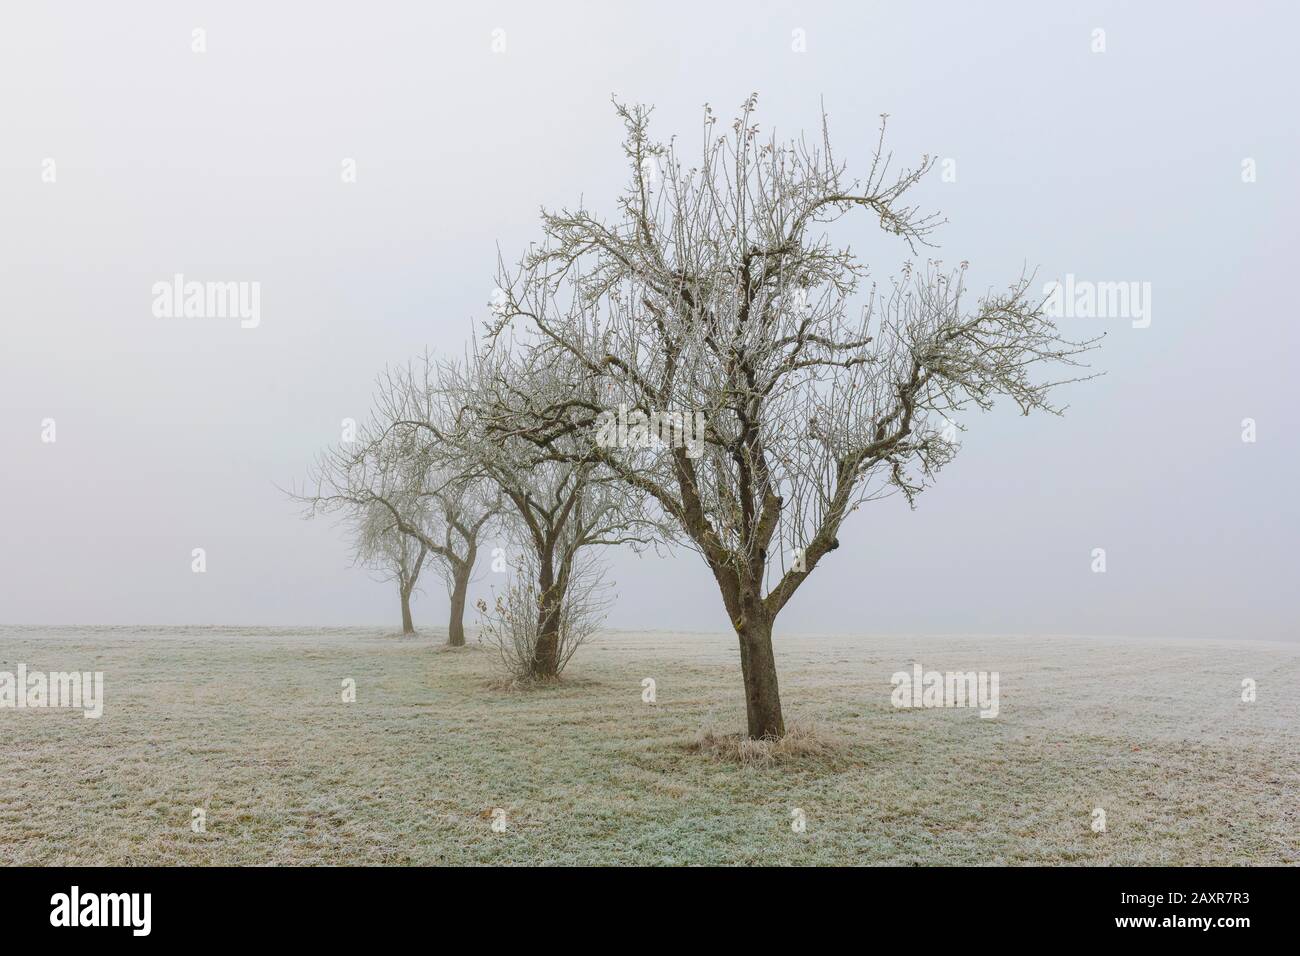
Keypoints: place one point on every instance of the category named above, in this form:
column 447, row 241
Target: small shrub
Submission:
column 512, row 625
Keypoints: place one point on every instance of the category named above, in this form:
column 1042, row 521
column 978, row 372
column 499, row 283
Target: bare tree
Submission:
column 558, row 505
column 463, row 506
column 717, row 290
column 410, row 487
column 467, row 507
column 400, row 557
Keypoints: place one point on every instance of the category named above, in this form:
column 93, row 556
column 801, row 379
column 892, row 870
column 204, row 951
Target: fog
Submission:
column 172, row 434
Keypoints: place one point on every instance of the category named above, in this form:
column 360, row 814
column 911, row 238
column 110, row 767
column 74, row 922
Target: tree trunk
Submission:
column 456, row 624
column 758, row 665
column 546, row 654
column 407, row 580
column 408, row 626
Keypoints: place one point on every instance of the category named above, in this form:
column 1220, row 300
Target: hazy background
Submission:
column 173, row 434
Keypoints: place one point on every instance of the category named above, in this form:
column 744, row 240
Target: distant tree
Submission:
column 408, row 493
column 382, row 546
column 717, row 289
column 552, row 509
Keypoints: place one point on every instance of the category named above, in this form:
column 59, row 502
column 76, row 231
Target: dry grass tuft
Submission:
column 513, row 685
column 442, row 647
column 803, row 741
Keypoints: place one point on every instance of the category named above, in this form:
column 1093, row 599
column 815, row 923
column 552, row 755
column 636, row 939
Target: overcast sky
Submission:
column 171, row 434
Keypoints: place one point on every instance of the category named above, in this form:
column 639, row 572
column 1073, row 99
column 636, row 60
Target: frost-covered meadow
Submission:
column 250, row 726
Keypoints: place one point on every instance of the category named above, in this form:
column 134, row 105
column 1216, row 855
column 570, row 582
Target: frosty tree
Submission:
column 556, row 507
column 394, row 482
column 717, row 288
column 381, row 545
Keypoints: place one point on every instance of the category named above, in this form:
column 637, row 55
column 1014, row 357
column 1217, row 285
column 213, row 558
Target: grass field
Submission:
column 250, row 725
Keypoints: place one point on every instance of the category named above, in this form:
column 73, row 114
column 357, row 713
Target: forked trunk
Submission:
column 456, row 623
column 407, row 581
column 546, row 662
column 758, row 666
column 546, row 655
column 408, row 626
